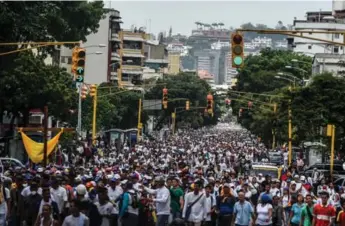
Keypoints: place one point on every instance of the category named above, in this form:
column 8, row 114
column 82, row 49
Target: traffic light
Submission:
column 187, row 105
column 165, row 98
column 83, row 92
column 78, row 63
column 237, row 47
column 210, row 104
column 93, row 90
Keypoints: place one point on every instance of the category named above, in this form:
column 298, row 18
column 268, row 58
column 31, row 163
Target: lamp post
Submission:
column 79, row 127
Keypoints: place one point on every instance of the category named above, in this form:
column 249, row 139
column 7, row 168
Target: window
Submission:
column 309, row 47
column 336, row 35
column 336, row 49
column 69, row 60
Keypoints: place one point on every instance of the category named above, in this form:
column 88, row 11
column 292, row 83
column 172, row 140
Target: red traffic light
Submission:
column 209, row 97
column 237, row 39
column 165, row 91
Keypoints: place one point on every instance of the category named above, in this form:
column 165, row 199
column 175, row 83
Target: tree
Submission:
column 32, row 84
column 189, row 87
column 46, row 21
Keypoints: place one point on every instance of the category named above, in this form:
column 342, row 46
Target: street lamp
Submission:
column 297, row 68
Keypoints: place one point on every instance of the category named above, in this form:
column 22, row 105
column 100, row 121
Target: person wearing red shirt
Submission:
column 323, row 214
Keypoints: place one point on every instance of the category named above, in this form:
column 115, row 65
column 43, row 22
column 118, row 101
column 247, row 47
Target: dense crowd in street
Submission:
column 195, row 177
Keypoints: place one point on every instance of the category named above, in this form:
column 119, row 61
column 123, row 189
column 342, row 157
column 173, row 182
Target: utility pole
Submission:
column 274, row 127
column 331, row 133
column 139, row 121
column 45, row 136
column 79, row 101
column 290, row 130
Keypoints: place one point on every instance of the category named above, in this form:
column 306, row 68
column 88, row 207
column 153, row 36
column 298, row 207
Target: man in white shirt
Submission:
column 162, row 201
column 59, row 194
column 195, row 205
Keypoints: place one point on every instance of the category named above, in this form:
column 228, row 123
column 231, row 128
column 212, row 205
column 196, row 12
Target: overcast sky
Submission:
column 181, row 15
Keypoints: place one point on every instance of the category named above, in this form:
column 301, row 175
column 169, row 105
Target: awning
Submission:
column 131, row 38
column 132, row 72
column 133, row 55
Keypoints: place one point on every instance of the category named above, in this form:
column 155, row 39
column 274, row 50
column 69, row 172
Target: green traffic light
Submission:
column 238, row 61
column 80, row 71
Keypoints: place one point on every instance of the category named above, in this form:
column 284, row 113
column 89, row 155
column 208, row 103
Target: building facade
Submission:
column 174, row 63
column 327, row 62
column 132, row 58
column 318, row 21
column 102, row 51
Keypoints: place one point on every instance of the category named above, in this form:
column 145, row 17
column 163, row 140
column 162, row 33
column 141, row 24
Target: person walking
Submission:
column 243, row 211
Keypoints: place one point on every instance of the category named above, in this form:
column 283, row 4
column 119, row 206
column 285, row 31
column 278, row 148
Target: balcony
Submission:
column 132, row 53
column 131, row 67
column 114, row 14
column 115, row 57
column 132, row 36
column 114, row 37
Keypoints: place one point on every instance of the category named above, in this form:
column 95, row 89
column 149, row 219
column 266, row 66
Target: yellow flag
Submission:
column 35, row 149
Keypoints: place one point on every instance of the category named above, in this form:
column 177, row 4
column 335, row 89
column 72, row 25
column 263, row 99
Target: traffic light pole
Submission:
column 79, row 110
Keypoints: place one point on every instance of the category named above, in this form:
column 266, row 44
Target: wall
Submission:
column 311, row 46
column 96, row 67
column 174, row 63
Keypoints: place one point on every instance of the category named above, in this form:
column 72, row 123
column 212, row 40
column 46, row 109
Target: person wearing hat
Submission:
column 324, row 213
column 162, row 201
column 264, row 211
column 32, row 203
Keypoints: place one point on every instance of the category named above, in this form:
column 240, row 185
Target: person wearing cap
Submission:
column 194, row 205
column 162, row 201
column 264, row 211
column 105, row 208
column 32, row 203
column 323, row 213
column 87, row 207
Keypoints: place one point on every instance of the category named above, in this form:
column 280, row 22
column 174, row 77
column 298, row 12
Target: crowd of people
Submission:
column 192, row 178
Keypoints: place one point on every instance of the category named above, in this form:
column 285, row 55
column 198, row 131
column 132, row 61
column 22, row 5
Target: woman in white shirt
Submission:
column 264, row 212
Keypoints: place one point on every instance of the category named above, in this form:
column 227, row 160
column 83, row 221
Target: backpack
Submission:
column 135, row 200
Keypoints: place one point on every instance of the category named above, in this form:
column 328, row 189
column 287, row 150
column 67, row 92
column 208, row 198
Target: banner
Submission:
column 35, row 149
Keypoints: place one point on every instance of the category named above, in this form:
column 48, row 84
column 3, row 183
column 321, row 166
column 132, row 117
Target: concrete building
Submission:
column 213, row 61
column 174, row 63
column 318, row 21
column 132, row 56
column 326, row 62
column 102, row 67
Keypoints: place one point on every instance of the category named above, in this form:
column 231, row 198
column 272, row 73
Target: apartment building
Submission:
column 102, row 51
column 132, row 57
column 318, row 21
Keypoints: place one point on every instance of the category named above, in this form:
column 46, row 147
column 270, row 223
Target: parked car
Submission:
column 10, row 162
column 338, row 169
column 276, row 158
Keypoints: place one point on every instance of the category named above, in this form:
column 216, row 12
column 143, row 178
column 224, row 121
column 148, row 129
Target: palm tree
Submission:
column 221, row 24
column 202, row 25
column 198, row 24
column 215, row 25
